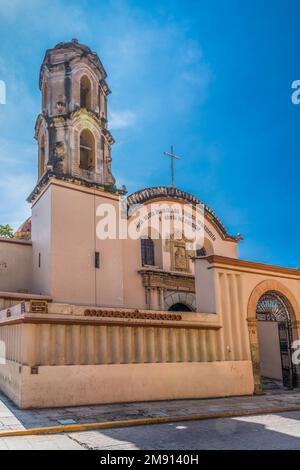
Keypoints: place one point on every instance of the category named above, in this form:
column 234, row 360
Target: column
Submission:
column 161, row 298
column 254, row 348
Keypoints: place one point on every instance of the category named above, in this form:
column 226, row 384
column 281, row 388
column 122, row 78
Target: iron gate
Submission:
column 273, row 307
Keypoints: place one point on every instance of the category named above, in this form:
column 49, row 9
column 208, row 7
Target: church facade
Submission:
column 98, row 305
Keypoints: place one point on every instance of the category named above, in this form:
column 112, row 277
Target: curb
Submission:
column 143, row 421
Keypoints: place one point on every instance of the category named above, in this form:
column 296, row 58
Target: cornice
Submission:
column 244, row 265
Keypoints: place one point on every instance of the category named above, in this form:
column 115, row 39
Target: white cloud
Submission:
column 45, row 15
column 121, row 119
column 16, row 182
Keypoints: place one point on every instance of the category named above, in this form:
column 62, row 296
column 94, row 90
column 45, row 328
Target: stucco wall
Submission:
column 64, row 232
column 15, row 265
column 41, row 226
column 10, row 381
column 64, row 225
column 75, row 385
column 270, row 360
column 221, row 287
column 232, row 288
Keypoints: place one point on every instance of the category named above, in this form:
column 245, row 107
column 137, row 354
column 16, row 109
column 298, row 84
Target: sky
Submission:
column 212, row 78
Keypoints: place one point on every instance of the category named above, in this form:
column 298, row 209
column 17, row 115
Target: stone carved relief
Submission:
column 59, row 157
column 179, row 254
column 61, row 105
column 180, row 258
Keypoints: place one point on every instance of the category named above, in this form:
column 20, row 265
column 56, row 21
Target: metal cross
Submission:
column 172, row 156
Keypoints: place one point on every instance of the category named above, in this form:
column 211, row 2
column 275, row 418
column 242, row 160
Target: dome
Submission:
column 66, row 52
column 24, row 231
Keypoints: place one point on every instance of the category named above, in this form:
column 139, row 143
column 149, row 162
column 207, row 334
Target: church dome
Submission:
column 24, row 231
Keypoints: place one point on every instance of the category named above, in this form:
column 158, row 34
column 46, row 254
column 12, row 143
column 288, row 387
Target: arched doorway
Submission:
column 180, row 301
column 279, row 287
column 275, row 338
column 179, row 307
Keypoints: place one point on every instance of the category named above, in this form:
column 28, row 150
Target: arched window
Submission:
column 42, row 156
column 85, row 93
column 201, row 251
column 147, row 248
column 87, row 150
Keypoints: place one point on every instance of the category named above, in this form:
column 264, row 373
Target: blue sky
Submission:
column 211, row 78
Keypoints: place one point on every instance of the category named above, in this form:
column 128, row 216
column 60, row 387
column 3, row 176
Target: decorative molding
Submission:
column 176, row 281
column 148, row 194
column 273, row 286
column 134, row 315
column 230, row 263
column 36, row 319
column 77, row 183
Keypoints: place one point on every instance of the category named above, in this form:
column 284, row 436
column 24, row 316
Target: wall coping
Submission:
column 224, row 262
column 15, row 241
column 68, row 314
column 154, row 270
column 23, row 296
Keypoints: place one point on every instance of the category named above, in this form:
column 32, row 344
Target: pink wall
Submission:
column 41, row 227
column 64, row 225
column 15, row 265
column 269, row 350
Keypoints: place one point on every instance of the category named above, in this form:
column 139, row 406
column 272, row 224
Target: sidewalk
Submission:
column 14, row 419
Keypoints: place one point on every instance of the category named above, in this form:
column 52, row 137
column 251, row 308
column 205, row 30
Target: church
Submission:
column 105, row 298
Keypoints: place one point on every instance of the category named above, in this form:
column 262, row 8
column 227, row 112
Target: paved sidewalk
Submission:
column 278, row 431
column 12, row 418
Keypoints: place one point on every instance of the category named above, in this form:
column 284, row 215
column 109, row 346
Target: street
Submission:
column 261, row 432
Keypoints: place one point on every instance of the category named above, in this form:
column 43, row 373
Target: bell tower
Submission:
column 74, row 142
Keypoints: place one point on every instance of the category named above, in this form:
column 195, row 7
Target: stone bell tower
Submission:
column 74, row 142
column 69, row 262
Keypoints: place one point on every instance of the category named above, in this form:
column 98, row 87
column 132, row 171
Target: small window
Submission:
column 201, row 252
column 85, row 93
column 87, row 151
column 147, row 247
